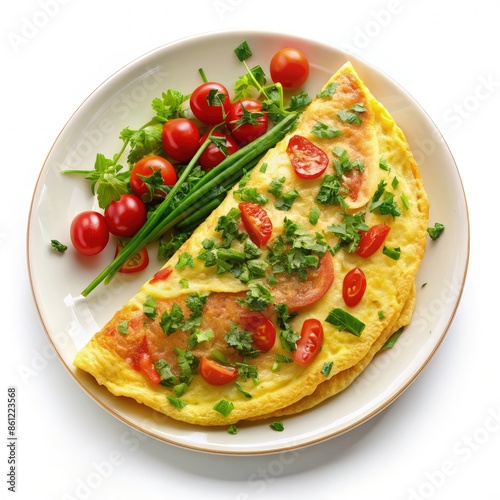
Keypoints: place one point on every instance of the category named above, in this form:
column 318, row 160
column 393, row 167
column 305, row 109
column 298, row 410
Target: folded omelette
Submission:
column 226, row 277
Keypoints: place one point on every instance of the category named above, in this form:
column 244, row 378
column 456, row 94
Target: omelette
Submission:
column 254, row 316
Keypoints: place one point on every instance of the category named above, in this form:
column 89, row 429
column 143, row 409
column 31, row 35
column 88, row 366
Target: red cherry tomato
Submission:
column 180, row 138
column 246, row 121
column 372, row 240
column 309, row 343
column 89, row 232
column 354, row 286
column 262, row 329
column 146, row 168
column 136, row 263
column 210, row 102
column 125, row 216
column 257, row 223
column 213, row 155
column 289, row 67
column 308, row 161
column 216, row 374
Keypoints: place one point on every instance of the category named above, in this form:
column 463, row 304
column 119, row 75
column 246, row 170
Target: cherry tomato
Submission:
column 146, row 168
column 216, row 374
column 89, row 232
column 309, row 343
column 136, row 263
column 308, row 161
column 246, row 121
column 257, row 223
column 125, row 216
column 213, row 155
column 354, row 286
column 262, row 329
column 372, row 240
column 162, row 274
column 210, row 102
column 289, row 67
column 180, row 138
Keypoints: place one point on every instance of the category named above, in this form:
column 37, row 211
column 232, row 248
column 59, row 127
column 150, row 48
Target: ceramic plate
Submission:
column 124, row 100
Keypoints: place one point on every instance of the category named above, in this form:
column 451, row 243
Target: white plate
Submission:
column 124, row 100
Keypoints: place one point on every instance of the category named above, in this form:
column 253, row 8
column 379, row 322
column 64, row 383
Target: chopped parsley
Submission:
column 351, row 115
column 383, row 201
column 240, row 340
column 224, row 407
column 327, row 368
column 185, row 260
column 287, row 335
column 324, row 131
column 167, row 378
column 286, row 200
column 58, row 246
column 393, row 338
column 176, row 402
column 250, row 194
column 123, row 327
column 436, row 231
column 393, row 253
column 149, row 307
column 348, row 231
column 345, row 321
column 277, row 426
column 314, row 214
column 258, row 297
column 328, row 91
column 195, row 303
column 331, row 191
column 171, row 322
column 199, row 336
column 276, row 186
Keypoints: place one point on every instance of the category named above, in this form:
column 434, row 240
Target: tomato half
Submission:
column 308, row 161
column 210, row 102
column 309, row 343
column 262, row 329
column 289, row 67
column 216, row 374
column 257, row 223
column 372, row 240
column 126, row 215
column 354, row 286
column 89, row 232
column 246, row 121
column 214, row 154
column 136, row 263
column 180, row 138
column 146, row 167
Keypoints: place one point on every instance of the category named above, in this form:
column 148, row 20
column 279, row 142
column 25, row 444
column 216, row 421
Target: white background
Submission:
column 440, row 439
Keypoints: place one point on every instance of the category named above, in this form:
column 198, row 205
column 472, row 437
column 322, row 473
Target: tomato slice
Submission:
column 308, row 161
column 354, row 286
column 136, row 263
column 216, row 374
column 311, row 339
column 161, row 275
column 141, row 361
column 257, row 223
column 372, row 240
column 297, row 294
column 262, row 329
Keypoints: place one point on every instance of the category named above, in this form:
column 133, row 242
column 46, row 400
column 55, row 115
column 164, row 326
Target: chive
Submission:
column 164, row 218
